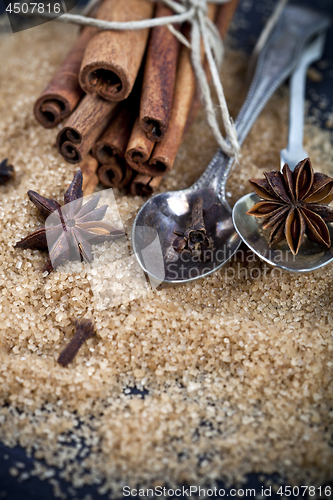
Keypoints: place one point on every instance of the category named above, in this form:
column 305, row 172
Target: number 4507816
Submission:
column 308, row 491
column 40, row 8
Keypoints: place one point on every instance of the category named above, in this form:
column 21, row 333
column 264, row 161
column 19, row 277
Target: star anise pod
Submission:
column 295, row 205
column 6, row 172
column 71, row 229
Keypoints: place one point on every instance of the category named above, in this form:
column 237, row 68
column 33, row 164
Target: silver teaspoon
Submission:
column 167, row 212
column 311, row 255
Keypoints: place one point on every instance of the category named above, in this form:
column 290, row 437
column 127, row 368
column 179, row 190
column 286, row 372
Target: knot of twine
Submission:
column 202, row 30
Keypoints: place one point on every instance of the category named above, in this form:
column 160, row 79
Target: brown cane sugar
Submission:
column 237, row 368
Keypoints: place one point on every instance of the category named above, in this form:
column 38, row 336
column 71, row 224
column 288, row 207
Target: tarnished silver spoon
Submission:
column 167, row 212
column 311, row 255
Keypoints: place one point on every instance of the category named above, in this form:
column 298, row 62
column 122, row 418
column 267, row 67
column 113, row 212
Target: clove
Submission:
column 196, row 237
column 84, row 330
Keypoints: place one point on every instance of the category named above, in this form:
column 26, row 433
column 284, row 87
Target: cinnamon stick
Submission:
column 139, row 149
column 63, row 93
column 115, row 174
column 159, row 78
column 91, row 185
column 224, row 16
column 164, row 153
column 90, row 179
column 112, row 58
column 114, row 140
column 83, row 127
column 145, row 185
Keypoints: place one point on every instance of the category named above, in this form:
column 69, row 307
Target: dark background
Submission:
column 250, row 19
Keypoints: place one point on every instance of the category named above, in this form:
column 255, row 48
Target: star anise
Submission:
column 70, row 230
column 6, row 172
column 295, row 205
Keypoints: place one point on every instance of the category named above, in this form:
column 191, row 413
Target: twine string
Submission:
column 198, row 31
column 202, row 29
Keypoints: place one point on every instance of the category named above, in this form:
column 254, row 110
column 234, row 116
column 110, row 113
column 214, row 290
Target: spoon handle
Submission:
column 296, row 26
column 295, row 152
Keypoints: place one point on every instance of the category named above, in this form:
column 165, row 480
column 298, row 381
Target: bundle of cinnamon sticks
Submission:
column 127, row 97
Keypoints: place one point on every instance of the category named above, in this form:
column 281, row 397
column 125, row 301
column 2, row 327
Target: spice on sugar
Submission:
column 236, row 369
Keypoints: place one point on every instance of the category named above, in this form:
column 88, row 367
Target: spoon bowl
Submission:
column 168, row 212
column 311, row 255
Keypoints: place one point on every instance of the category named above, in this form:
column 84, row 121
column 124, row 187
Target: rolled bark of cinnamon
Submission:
column 91, row 185
column 164, row 153
column 224, row 16
column 145, row 185
column 139, row 148
column 83, row 128
column 114, row 140
column 63, row 93
column 89, row 168
column 115, row 174
column 110, row 148
column 90, row 178
column 159, row 78
column 112, row 58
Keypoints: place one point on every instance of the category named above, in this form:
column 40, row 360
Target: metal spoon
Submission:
column 311, row 255
column 166, row 212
